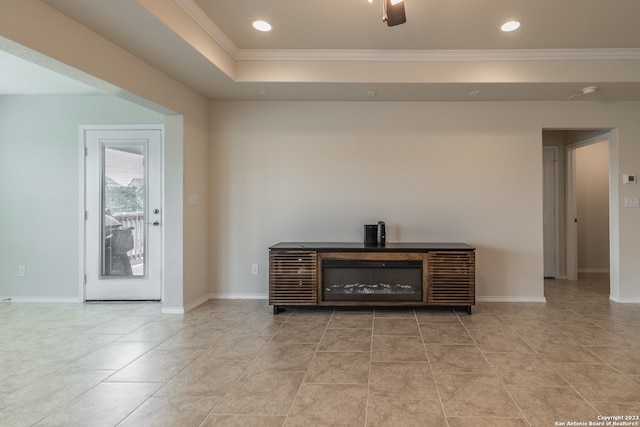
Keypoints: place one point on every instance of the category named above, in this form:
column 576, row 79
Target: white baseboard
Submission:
column 511, row 299
column 625, row 300
column 195, row 304
column 238, row 296
column 172, row 310
column 63, row 300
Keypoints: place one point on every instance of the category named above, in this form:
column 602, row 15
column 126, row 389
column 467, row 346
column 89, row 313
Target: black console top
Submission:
column 361, row 247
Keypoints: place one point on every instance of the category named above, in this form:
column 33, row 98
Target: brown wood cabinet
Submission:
column 352, row 274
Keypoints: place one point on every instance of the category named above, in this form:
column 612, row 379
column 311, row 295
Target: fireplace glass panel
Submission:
column 371, row 281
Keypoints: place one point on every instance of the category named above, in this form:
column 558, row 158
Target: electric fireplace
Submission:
column 360, row 280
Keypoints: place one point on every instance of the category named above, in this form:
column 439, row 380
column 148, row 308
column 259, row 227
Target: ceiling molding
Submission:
column 192, row 9
column 436, row 55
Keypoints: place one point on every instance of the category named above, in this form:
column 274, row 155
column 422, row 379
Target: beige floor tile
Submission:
column 265, row 393
column 402, row 380
column 460, row 359
column 155, row 366
column 482, row 320
column 524, row 369
column 80, row 345
column 15, row 376
column 205, row 378
column 235, row 346
column 262, row 324
column 405, row 413
column 190, row 338
column 486, row 422
column 347, row 402
column 319, row 315
column 564, row 318
column 436, row 316
column 505, row 341
column 346, row 340
column 390, row 348
column 475, row 395
column 238, row 356
column 282, row 356
column 624, row 359
column 394, row 312
column 560, row 349
column 114, row 355
column 599, row 383
column 339, row 368
column 104, row 405
column 215, row 420
column 544, row 406
column 441, row 333
column 610, row 408
column 351, row 320
column 170, row 411
column 591, row 335
column 121, row 325
column 302, row 332
column 155, row 332
column 395, row 326
column 48, row 394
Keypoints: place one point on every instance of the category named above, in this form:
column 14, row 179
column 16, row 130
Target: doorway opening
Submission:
column 584, row 199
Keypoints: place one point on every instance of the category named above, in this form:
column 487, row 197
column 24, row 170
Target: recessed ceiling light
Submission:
column 589, row 89
column 261, row 25
column 510, row 26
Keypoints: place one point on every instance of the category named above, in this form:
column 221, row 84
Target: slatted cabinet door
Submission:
column 293, row 278
column 451, row 278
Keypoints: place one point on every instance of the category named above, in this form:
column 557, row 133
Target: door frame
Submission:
column 571, row 200
column 556, row 210
column 83, row 190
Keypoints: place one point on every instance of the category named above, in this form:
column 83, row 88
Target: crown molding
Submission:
column 436, row 55
column 198, row 15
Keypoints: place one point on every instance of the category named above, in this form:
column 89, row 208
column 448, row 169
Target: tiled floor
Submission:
column 232, row 363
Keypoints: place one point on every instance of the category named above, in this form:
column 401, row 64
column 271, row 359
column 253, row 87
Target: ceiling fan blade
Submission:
column 393, row 14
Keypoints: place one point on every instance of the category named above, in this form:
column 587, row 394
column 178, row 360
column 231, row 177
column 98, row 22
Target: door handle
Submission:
column 154, row 223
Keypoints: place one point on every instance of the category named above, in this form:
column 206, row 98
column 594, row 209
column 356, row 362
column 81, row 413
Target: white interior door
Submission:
column 123, row 218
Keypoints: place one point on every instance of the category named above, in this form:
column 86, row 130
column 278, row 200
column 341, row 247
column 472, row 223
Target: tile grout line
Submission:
column 293, row 401
column 504, row 386
column 435, row 383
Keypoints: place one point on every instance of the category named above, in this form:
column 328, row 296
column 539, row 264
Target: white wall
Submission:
column 40, row 188
column 462, row 172
column 592, row 199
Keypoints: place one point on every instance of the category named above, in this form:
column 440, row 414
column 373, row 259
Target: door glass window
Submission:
column 124, row 206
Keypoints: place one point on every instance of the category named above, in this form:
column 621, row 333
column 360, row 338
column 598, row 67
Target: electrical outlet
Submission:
column 255, row 268
column 22, row 271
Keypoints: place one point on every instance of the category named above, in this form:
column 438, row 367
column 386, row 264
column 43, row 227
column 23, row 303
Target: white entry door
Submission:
column 123, row 218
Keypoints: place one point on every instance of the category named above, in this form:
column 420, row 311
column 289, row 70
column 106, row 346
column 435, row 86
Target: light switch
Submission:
column 192, row 199
column 632, row 202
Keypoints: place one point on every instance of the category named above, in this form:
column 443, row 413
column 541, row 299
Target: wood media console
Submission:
column 354, row 274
